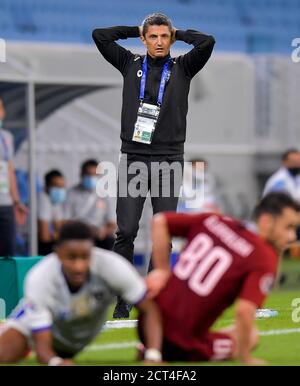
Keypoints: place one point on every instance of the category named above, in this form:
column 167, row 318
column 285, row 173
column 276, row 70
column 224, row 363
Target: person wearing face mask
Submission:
column 11, row 209
column 51, row 210
column 287, row 178
column 84, row 204
column 199, row 178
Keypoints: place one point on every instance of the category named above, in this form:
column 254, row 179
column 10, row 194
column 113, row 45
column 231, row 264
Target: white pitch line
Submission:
column 125, row 345
column 114, row 324
column 111, row 346
column 280, row 332
column 119, row 324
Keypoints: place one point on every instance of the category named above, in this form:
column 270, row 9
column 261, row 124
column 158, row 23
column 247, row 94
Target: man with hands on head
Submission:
column 153, row 122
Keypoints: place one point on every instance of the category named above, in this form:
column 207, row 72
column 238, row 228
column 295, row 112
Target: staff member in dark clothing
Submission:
column 153, row 123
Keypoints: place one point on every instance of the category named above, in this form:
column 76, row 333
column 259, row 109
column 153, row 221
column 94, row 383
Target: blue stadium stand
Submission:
column 239, row 25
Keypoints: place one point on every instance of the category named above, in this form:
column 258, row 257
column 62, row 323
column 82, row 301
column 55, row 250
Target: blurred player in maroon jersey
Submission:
column 223, row 261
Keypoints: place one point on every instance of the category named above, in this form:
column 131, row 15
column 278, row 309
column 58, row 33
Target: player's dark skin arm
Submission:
column 43, row 348
column 152, row 324
column 44, row 234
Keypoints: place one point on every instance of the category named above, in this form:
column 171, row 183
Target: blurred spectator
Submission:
column 51, row 210
column 197, row 179
column 11, row 209
column 84, row 204
column 287, row 178
column 23, row 231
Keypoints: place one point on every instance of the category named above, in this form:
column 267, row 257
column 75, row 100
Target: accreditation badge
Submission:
column 145, row 123
column 4, row 178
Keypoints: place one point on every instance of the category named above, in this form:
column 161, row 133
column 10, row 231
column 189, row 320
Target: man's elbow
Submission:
column 97, row 35
column 211, row 41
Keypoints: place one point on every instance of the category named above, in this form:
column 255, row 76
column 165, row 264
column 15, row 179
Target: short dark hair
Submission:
column 156, row 19
column 274, row 204
column 50, row 175
column 286, row 154
column 86, row 164
column 75, row 230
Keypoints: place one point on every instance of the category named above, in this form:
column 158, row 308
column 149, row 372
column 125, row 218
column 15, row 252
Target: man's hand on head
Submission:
column 173, row 37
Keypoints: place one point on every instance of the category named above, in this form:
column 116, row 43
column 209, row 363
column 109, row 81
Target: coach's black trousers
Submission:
column 161, row 175
column 7, row 231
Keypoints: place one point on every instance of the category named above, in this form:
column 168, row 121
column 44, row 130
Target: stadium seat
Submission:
column 34, row 20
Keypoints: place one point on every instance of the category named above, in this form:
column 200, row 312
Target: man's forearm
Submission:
column 152, row 324
column 43, row 346
column 13, row 183
column 196, row 59
column 244, row 328
column 102, row 35
column 105, row 40
column 45, row 355
column 195, row 38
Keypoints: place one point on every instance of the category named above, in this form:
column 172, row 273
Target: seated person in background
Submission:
column 287, row 177
column 84, row 204
column 66, row 299
column 51, row 210
column 199, row 178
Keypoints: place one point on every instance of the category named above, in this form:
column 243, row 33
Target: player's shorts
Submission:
column 20, row 326
column 214, row 346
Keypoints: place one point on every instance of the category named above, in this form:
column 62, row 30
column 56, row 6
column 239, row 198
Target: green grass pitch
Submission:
column 281, row 347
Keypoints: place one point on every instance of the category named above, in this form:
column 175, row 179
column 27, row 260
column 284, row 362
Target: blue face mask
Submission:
column 57, row 195
column 89, row 182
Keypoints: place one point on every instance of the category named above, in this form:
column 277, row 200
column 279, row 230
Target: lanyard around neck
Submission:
column 163, row 80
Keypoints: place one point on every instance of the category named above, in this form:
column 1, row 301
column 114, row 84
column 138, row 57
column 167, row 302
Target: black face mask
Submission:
column 294, row 171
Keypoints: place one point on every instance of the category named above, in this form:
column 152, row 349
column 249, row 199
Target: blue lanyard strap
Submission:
column 163, row 80
column 5, row 148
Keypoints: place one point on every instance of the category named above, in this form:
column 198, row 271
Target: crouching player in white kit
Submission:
column 67, row 296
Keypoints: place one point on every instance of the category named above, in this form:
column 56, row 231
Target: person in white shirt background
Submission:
column 83, row 203
column 51, row 210
column 197, row 178
column 287, row 179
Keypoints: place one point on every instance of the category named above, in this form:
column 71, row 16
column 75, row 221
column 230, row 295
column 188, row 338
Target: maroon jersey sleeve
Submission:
column 180, row 224
column 261, row 276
